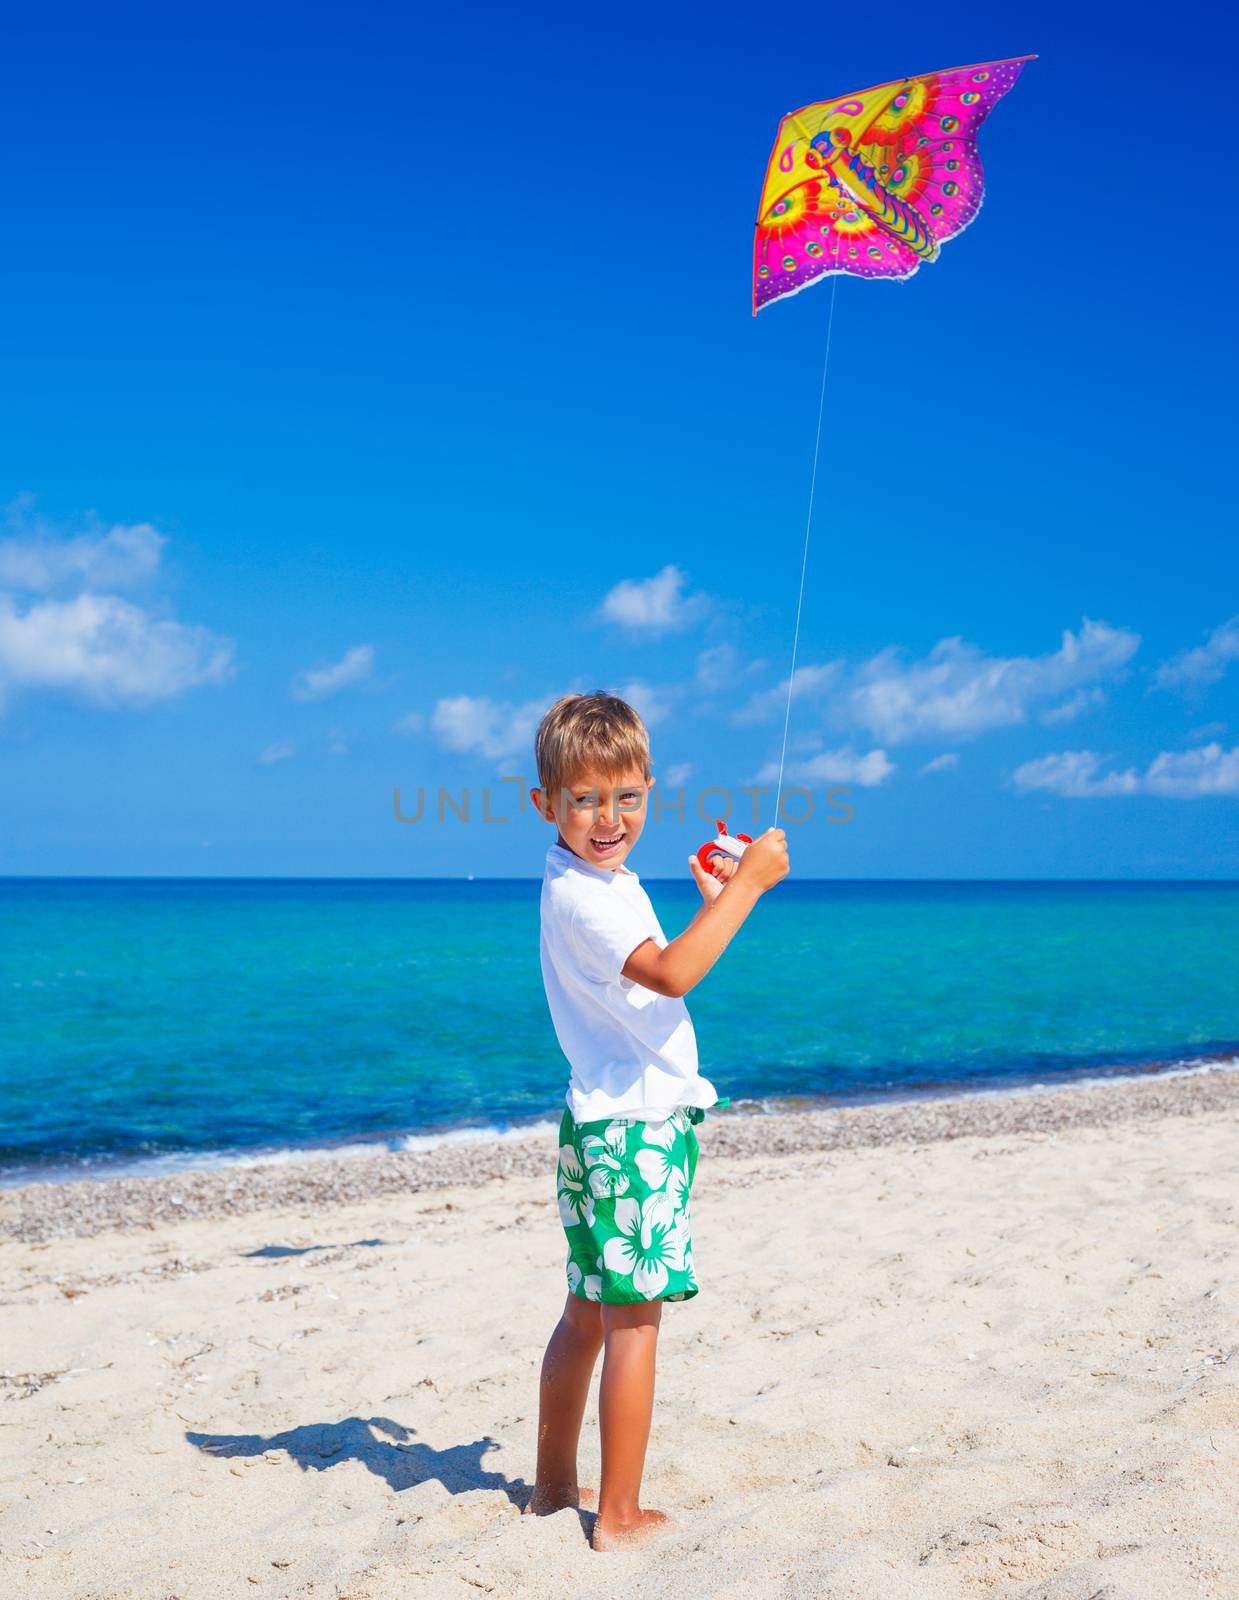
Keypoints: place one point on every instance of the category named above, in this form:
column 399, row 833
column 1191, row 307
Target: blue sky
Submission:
column 375, row 375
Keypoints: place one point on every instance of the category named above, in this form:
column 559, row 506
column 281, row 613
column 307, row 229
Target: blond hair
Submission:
column 598, row 732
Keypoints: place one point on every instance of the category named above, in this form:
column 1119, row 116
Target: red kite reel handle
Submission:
column 725, row 844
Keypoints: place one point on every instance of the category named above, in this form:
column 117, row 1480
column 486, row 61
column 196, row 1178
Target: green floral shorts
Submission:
column 623, row 1200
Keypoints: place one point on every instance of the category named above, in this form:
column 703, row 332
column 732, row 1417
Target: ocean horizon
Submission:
column 472, row 877
column 160, row 1023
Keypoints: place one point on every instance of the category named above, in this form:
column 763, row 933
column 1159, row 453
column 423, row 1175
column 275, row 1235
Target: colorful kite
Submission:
column 872, row 184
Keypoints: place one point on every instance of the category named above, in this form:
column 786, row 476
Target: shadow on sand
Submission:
column 277, row 1252
column 383, row 1447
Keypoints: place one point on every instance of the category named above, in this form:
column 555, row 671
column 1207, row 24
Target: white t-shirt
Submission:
column 633, row 1052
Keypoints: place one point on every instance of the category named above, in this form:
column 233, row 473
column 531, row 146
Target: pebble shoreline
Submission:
column 44, row 1211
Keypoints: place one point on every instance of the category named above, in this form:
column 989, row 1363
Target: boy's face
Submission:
column 599, row 818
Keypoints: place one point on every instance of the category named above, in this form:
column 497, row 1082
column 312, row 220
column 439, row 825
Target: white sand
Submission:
column 980, row 1366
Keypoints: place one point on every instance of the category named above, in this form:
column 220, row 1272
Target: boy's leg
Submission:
column 567, row 1369
column 625, row 1406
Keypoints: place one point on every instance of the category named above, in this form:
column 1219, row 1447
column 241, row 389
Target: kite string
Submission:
column 817, row 450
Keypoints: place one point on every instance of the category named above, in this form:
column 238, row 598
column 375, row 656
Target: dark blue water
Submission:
column 169, row 1018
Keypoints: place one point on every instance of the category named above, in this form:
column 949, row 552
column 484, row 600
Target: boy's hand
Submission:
column 710, row 884
column 681, row 965
column 722, row 867
column 765, row 861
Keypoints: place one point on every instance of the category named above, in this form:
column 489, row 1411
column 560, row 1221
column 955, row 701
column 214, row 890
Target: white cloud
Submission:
column 720, row 668
column 1081, row 701
column 36, row 557
column 1185, row 774
column 677, row 775
column 959, row 692
column 810, row 683
column 106, row 650
column 648, row 702
column 91, row 644
column 481, row 726
column 1180, row 775
column 653, row 605
column 318, row 683
column 1073, row 773
column 1207, row 730
column 282, row 750
column 943, row 763
column 844, row 765
column 411, row 722
column 716, row 668
column 1193, row 669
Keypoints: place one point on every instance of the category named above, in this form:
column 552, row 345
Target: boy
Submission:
column 628, row 1148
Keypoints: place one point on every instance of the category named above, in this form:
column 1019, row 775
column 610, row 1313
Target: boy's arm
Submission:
column 686, row 960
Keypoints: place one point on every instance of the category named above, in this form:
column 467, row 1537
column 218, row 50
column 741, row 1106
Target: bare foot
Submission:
column 549, row 1497
column 616, row 1535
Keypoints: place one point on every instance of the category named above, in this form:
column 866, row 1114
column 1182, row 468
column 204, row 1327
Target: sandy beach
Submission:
column 948, row 1348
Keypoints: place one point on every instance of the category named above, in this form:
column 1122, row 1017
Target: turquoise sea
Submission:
column 152, row 1023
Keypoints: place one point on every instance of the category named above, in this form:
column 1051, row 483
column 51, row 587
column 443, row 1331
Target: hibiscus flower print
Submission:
column 607, row 1180
column 647, row 1244
column 610, row 1142
column 661, row 1134
column 624, row 1197
column 590, row 1284
column 575, row 1205
column 658, row 1171
column 604, row 1156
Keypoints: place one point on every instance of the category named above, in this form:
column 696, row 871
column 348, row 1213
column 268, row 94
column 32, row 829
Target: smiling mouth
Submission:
column 603, row 845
